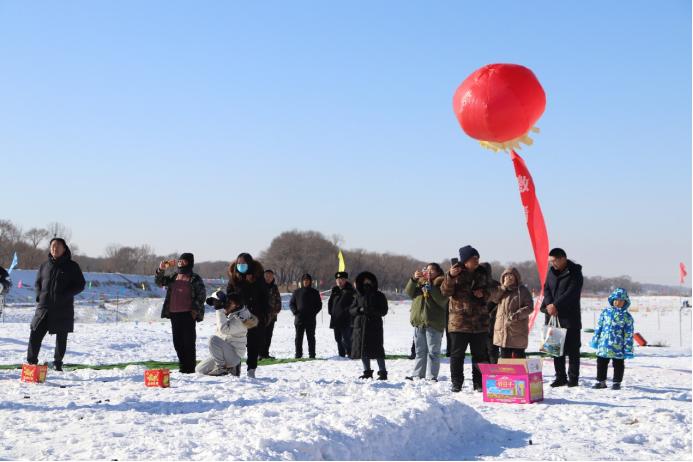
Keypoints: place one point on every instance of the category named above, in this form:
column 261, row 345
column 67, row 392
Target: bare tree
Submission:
column 56, row 229
column 35, row 236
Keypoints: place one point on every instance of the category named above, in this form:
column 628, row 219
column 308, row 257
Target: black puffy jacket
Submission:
column 305, row 304
column 57, row 283
column 368, row 309
column 338, row 306
column 563, row 290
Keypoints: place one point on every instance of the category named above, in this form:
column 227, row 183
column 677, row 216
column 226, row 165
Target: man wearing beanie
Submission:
column 341, row 298
column 467, row 284
column 184, row 305
column 305, row 305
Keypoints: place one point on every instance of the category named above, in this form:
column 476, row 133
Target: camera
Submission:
column 217, row 300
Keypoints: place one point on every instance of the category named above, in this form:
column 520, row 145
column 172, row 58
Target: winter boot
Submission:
column 599, row 385
column 367, row 374
column 559, row 382
column 478, row 387
column 251, row 373
column 57, row 365
column 456, row 387
column 235, row 370
column 382, row 375
column 572, row 382
column 218, row 371
column 616, row 386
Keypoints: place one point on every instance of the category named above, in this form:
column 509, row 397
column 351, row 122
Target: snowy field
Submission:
column 319, row 410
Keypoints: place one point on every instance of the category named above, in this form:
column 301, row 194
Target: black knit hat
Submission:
column 341, row 274
column 306, row 276
column 467, row 252
column 188, row 257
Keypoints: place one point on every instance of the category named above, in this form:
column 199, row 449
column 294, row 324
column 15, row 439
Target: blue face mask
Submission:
column 242, row 267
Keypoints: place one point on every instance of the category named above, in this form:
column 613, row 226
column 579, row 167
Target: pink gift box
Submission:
column 513, row 381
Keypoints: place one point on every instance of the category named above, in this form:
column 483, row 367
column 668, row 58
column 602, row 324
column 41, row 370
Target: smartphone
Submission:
column 454, row 261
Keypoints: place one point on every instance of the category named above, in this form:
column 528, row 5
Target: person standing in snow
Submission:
column 246, row 278
column 613, row 338
column 514, row 305
column 467, row 284
column 341, row 298
column 227, row 345
column 367, row 310
column 275, row 302
column 427, row 315
column 184, row 305
column 562, row 292
column 492, row 350
column 58, row 281
column 305, row 304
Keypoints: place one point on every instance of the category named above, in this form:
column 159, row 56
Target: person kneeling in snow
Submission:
column 613, row 338
column 227, row 346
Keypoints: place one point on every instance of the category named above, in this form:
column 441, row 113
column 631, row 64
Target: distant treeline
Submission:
column 290, row 255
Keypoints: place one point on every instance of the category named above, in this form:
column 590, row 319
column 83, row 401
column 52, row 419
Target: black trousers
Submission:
column 603, row 365
column 309, row 329
column 184, row 337
column 512, row 353
column 269, row 330
column 493, row 350
column 342, row 335
column 572, row 350
column 255, row 342
column 35, row 340
column 477, row 344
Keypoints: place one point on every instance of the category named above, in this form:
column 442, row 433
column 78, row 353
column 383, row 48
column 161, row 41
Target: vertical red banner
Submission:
column 682, row 273
column 535, row 225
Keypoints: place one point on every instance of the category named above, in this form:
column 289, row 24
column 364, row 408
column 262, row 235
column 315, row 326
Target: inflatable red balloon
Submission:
column 499, row 104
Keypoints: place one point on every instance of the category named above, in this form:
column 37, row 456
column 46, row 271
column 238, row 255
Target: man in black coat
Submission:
column 341, row 298
column 562, row 299
column 305, row 305
column 58, row 281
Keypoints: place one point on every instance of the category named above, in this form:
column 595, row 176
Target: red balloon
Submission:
column 499, row 103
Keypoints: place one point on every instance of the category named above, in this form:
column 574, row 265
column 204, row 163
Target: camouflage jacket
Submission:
column 468, row 313
column 199, row 293
column 275, row 301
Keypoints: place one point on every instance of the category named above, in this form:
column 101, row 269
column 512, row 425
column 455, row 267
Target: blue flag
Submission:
column 13, row 264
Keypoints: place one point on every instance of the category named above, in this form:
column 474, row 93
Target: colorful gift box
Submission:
column 157, row 378
column 513, row 381
column 34, row 373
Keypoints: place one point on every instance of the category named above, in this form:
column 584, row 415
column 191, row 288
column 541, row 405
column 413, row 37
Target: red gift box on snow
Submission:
column 157, row 378
column 34, row 373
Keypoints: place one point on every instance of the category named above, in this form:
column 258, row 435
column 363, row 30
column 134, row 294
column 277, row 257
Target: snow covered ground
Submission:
column 319, row 410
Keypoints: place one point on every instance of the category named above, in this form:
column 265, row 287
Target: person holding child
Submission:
column 613, row 338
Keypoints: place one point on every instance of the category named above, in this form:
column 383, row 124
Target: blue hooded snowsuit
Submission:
column 613, row 337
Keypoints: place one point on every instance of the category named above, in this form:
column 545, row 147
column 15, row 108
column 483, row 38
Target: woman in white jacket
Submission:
column 227, row 345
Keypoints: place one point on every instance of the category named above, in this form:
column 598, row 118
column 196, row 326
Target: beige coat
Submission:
column 514, row 307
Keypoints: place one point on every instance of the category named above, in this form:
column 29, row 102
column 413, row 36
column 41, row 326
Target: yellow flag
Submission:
column 342, row 265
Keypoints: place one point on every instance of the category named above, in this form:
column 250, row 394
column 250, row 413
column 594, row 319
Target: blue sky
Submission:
column 213, row 126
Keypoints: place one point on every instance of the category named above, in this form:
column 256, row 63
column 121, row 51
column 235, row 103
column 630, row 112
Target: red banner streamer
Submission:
column 535, row 225
column 682, row 273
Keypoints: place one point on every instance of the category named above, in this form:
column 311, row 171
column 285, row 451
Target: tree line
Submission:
column 289, row 255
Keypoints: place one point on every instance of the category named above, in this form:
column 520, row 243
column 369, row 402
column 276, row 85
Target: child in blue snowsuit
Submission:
column 613, row 338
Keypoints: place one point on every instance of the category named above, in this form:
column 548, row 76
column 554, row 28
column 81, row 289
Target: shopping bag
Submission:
column 553, row 339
